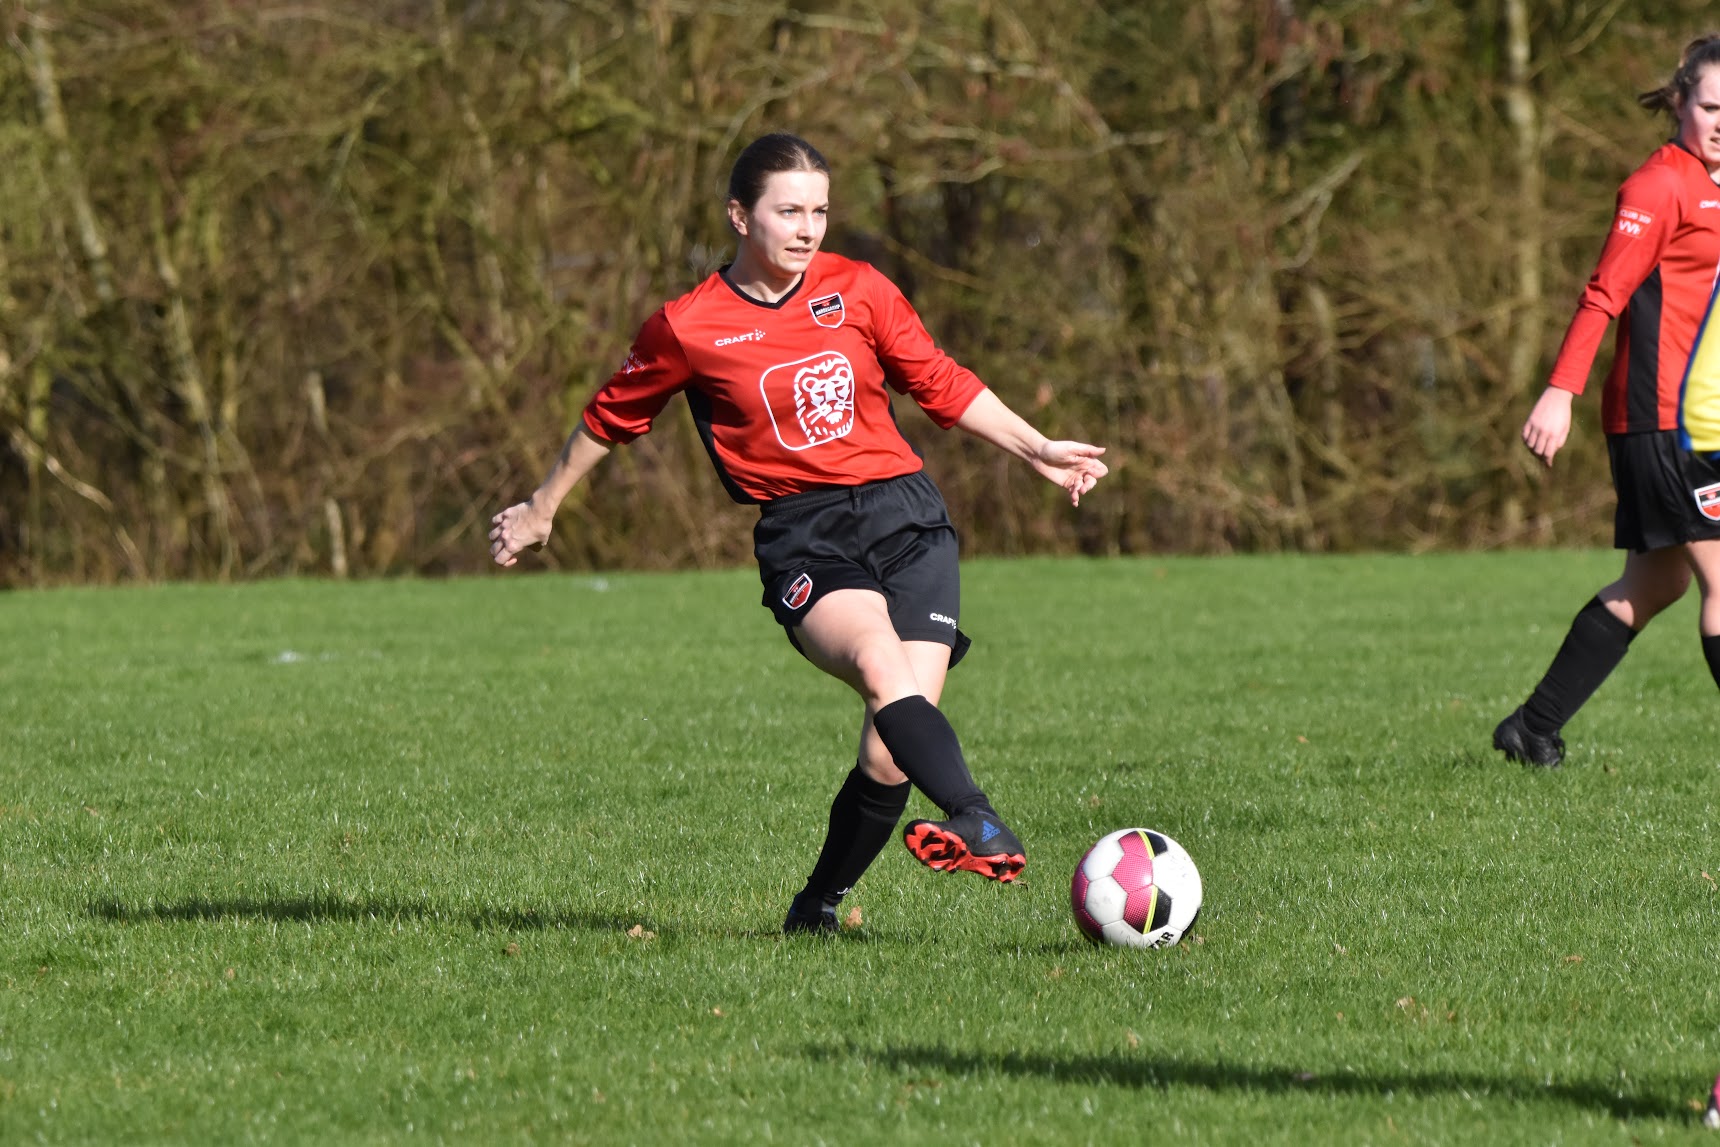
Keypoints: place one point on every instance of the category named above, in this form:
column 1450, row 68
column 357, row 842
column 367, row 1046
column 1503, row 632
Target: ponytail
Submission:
column 1700, row 53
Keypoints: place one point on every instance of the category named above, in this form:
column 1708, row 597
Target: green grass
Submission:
column 305, row 862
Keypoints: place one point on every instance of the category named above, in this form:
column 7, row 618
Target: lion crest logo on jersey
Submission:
column 810, row 400
column 827, row 311
column 1708, row 501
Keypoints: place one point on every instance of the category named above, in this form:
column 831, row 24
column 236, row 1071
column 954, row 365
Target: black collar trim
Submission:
column 723, row 274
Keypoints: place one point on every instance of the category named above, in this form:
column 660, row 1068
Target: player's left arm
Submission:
column 952, row 395
column 1075, row 466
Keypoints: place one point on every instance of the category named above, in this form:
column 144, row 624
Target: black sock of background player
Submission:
column 1711, row 653
column 926, row 748
column 862, row 820
column 1593, row 648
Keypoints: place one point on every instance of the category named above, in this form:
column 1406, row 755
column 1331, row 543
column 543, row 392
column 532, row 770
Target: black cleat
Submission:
column 811, row 916
column 967, row 842
column 1514, row 739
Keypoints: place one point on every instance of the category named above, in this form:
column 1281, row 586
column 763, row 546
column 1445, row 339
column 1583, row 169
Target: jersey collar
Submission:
column 794, row 291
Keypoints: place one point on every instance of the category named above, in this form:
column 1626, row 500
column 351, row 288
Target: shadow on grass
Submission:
column 334, row 910
column 1652, row 1101
column 330, row 910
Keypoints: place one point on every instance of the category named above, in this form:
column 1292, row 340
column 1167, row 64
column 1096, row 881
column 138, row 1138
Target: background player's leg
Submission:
column 1704, row 560
column 1597, row 641
column 1650, row 583
column 1602, row 632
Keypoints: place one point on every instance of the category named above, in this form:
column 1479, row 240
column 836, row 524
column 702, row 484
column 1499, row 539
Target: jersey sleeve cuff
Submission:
column 948, row 415
column 602, row 433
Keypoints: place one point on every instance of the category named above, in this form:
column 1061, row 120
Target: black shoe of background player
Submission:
column 1514, row 739
column 808, row 914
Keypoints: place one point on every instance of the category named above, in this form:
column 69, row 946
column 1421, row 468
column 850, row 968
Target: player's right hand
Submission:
column 515, row 529
column 1549, row 424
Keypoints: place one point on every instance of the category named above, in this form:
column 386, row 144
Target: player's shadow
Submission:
column 331, row 910
column 334, row 910
column 1651, row 1101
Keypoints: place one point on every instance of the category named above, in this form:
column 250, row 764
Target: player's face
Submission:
column 1699, row 119
column 786, row 226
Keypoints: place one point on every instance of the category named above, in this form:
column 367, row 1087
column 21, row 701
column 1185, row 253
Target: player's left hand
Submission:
column 1075, row 466
column 515, row 529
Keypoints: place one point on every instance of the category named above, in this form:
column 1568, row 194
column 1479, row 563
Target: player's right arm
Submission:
column 1643, row 223
column 622, row 409
column 528, row 523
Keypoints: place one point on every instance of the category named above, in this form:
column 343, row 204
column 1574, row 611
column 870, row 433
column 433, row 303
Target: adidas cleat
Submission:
column 1514, row 739
column 809, row 915
column 967, row 842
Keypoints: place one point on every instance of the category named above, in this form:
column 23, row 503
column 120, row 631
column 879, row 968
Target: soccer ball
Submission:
column 1137, row 888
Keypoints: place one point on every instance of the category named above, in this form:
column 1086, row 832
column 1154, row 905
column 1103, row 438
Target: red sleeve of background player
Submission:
column 1642, row 225
column 912, row 362
column 655, row 371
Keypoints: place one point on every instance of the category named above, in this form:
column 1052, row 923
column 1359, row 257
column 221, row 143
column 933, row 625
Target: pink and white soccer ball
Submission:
column 1137, row 888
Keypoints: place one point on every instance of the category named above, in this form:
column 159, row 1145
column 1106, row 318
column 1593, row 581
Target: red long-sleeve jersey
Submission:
column 1656, row 270
column 789, row 396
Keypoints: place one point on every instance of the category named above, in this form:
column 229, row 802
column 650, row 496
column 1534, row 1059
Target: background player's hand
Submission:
column 516, row 528
column 1549, row 424
column 1075, row 466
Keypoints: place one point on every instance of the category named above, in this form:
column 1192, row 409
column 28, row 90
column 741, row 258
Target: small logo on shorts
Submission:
column 800, row 589
column 941, row 619
column 1708, row 501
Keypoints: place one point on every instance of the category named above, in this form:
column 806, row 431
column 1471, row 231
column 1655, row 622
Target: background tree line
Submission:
column 317, row 286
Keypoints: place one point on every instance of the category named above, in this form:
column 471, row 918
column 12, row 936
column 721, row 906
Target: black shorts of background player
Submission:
column 784, row 356
column 1657, row 268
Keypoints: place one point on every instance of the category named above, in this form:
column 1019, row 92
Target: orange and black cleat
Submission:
column 967, row 842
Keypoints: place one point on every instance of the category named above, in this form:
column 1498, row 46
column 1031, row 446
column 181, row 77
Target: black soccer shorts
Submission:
column 1666, row 495
column 892, row 536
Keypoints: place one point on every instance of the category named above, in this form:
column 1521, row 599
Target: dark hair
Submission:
column 763, row 158
column 1700, row 53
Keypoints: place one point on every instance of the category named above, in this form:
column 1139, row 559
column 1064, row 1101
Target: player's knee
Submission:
column 885, row 673
column 1667, row 593
column 1639, row 599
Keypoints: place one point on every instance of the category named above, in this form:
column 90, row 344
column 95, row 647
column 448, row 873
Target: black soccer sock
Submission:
column 862, row 820
column 1593, row 648
column 926, row 749
column 1711, row 653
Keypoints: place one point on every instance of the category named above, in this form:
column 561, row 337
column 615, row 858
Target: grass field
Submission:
column 504, row 860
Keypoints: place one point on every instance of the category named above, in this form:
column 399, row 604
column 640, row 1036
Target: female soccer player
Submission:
column 1657, row 270
column 784, row 356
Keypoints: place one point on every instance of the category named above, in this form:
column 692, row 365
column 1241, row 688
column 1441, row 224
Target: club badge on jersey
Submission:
column 827, row 310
